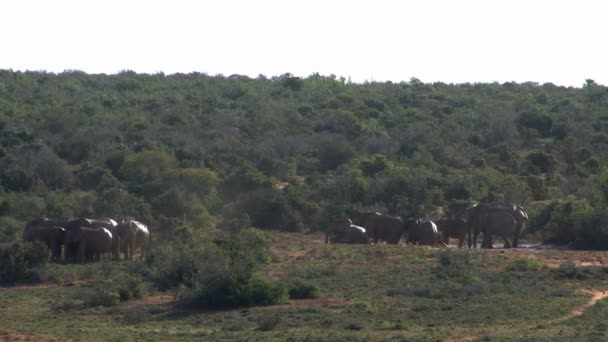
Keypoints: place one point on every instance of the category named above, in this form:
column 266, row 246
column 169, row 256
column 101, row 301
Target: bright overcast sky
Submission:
column 452, row 41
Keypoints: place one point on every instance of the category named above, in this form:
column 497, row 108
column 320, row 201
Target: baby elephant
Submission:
column 422, row 232
column 344, row 231
column 452, row 228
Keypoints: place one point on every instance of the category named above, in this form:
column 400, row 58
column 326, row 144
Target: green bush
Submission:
column 233, row 288
column 302, row 290
column 130, row 286
column 363, row 306
column 457, row 265
column 268, row 321
column 103, row 297
column 569, row 270
column 20, row 261
column 524, row 265
column 576, row 222
column 10, row 228
column 218, row 273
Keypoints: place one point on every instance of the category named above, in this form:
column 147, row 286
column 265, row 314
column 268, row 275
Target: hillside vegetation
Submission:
column 286, row 153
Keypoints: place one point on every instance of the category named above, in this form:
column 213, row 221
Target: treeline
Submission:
column 291, row 153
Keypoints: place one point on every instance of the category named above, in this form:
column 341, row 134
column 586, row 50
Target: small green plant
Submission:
column 129, row 286
column 103, row 298
column 268, row 321
column 523, row 265
column 363, row 306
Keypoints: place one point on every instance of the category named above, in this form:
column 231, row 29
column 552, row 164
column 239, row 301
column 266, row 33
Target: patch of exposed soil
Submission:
column 160, row 300
column 21, row 336
column 29, row 287
column 332, row 304
column 41, row 286
column 595, row 296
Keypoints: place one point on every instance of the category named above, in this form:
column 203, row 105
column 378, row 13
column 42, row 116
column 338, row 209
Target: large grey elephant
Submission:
column 518, row 213
column 344, row 231
column 93, row 242
column 495, row 222
column 47, row 231
column 422, row 232
column 381, row 227
column 452, row 228
column 131, row 235
column 107, row 223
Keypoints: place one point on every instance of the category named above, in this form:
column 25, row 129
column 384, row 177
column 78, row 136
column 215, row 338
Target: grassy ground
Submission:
column 386, row 293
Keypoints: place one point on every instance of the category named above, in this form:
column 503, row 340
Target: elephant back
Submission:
column 139, row 227
column 92, row 223
column 385, row 227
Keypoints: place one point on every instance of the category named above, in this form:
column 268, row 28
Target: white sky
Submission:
column 453, row 41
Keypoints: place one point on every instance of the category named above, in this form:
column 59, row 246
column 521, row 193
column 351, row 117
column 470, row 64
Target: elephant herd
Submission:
column 506, row 220
column 86, row 239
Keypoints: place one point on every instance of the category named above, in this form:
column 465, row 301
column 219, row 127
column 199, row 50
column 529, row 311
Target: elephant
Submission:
column 46, row 231
column 131, row 235
column 381, row 227
column 495, row 222
column 518, row 212
column 344, row 231
column 107, row 223
column 94, row 242
column 422, row 232
column 452, row 228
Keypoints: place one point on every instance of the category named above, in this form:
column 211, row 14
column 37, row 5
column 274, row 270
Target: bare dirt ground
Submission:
column 595, row 296
column 14, row 336
column 332, row 304
column 160, row 300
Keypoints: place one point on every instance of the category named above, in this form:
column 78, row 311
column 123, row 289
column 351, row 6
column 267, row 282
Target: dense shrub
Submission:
column 234, row 287
column 576, row 222
column 300, row 289
column 218, row 273
column 9, row 228
column 19, row 262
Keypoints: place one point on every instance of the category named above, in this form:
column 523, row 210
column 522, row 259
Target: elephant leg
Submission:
column 81, row 252
column 460, row 242
column 487, row 241
column 516, row 239
column 53, row 249
column 507, row 242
